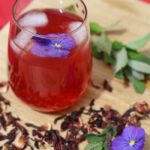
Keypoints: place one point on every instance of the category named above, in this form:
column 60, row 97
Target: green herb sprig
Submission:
column 101, row 141
column 128, row 62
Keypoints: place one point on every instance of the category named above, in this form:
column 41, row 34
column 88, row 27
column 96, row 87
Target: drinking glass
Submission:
column 49, row 53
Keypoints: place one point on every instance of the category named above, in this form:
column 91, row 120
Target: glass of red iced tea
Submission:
column 49, row 53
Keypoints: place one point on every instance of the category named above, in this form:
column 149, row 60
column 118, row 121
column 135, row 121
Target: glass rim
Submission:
column 45, row 36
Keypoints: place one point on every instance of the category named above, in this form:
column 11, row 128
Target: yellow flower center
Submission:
column 132, row 142
column 57, row 45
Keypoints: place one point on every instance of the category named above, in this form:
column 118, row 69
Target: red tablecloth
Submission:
column 6, row 7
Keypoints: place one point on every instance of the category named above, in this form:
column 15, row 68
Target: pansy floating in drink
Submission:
column 49, row 55
column 58, row 47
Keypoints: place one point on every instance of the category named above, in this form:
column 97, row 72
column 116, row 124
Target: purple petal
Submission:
column 130, row 133
column 58, row 53
column 49, row 51
column 119, row 143
column 46, row 47
column 134, row 133
column 39, row 50
column 67, row 41
column 41, row 41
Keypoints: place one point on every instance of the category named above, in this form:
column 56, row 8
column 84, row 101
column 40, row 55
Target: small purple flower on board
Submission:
column 53, row 45
column 132, row 138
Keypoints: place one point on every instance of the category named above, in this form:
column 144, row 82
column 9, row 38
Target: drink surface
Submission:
column 49, row 82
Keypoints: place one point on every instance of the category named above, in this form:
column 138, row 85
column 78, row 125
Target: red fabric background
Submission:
column 148, row 1
column 6, row 7
column 5, row 10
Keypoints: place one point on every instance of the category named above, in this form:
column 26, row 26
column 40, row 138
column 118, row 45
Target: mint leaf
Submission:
column 139, row 86
column 112, row 130
column 121, row 59
column 137, row 44
column 93, row 138
column 94, row 146
column 106, row 145
column 117, row 45
column 108, row 27
column 103, row 44
column 134, row 55
column 101, row 141
column 119, row 75
column 138, row 75
column 96, row 28
column 139, row 66
column 71, row 8
column 109, row 59
column 95, row 51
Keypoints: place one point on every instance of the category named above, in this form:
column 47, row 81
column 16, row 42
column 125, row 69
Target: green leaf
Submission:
column 121, row 59
column 139, row 86
column 117, row 45
column 95, row 51
column 135, row 55
column 119, row 75
column 94, row 146
column 113, row 24
column 71, row 8
column 137, row 44
column 138, row 75
column 96, row 28
column 139, row 66
column 93, row 138
column 103, row 44
column 111, row 130
column 105, row 145
column 109, row 59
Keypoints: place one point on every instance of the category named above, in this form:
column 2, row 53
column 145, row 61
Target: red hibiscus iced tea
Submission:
column 49, row 59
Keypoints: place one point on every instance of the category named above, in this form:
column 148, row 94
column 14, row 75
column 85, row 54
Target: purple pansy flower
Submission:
column 54, row 45
column 132, row 138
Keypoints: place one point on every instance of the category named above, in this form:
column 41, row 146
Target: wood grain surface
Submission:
column 135, row 22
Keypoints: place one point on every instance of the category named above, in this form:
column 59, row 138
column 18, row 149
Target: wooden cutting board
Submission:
column 135, row 22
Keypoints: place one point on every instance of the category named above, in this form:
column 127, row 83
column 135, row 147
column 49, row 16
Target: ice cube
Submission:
column 23, row 39
column 80, row 34
column 34, row 19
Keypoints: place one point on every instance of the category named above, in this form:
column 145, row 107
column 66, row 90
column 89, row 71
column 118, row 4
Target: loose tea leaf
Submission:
column 107, row 86
column 105, row 118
